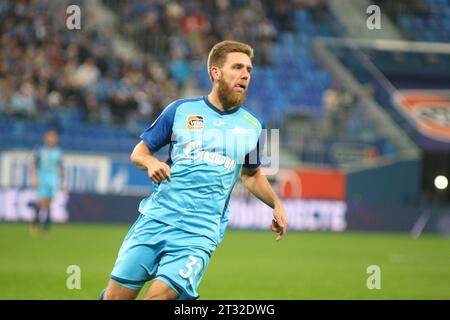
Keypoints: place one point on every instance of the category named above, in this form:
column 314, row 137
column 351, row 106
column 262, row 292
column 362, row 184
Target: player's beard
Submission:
column 228, row 97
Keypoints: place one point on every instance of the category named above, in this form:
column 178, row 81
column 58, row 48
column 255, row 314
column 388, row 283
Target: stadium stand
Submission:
column 424, row 20
column 76, row 82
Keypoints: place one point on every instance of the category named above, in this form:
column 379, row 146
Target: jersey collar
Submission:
column 214, row 108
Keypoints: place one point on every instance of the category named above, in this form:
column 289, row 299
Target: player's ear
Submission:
column 215, row 73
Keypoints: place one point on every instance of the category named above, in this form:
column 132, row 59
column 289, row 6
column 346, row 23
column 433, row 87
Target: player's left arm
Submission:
column 61, row 175
column 259, row 186
column 33, row 172
column 61, row 171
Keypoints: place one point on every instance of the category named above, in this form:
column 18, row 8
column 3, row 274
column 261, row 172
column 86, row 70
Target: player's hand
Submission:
column 279, row 222
column 158, row 171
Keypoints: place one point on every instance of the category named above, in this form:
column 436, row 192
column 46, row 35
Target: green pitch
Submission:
column 248, row 265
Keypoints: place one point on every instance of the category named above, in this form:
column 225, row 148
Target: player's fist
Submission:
column 279, row 221
column 158, row 171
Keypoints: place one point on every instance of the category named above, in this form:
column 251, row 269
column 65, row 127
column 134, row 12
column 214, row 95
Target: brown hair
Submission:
column 220, row 50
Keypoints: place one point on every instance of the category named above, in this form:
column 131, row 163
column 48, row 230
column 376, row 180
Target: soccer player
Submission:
column 46, row 174
column 213, row 141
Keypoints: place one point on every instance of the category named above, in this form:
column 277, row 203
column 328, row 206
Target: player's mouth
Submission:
column 241, row 87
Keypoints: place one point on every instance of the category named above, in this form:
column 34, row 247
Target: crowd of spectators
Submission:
column 50, row 73
column 399, row 8
column 178, row 31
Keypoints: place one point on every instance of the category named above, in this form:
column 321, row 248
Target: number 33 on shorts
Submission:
column 191, row 270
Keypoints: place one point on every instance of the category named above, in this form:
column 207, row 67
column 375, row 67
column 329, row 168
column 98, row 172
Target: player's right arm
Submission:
column 33, row 171
column 143, row 158
column 154, row 138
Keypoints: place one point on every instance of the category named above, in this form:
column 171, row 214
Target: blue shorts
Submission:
column 155, row 250
column 47, row 189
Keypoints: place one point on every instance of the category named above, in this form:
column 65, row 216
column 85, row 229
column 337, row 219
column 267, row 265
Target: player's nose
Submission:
column 245, row 75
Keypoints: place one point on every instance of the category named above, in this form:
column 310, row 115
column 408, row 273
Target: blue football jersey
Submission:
column 208, row 148
column 48, row 161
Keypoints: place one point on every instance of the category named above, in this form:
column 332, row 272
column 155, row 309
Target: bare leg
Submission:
column 115, row 291
column 45, row 204
column 160, row 291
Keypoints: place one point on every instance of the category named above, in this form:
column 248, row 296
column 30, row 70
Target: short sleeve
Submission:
column 253, row 158
column 160, row 131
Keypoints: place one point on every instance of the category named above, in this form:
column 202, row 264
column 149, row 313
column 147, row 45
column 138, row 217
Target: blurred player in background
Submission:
column 46, row 174
column 185, row 218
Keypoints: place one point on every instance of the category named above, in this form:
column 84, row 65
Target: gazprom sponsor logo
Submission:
column 216, row 158
column 193, row 151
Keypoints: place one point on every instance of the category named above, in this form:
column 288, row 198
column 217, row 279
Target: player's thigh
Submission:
column 183, row 270
column 139, row 254
column 159, row 290
column 44, row 194
column 115, row 291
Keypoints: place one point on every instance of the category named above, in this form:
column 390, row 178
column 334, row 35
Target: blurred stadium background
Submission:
column 364, row 119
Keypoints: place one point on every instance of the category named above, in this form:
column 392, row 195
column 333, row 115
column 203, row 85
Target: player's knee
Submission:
column 160, row 291
column 114, row 291
column 116, row 295
column 160, row 296
column 111, row 294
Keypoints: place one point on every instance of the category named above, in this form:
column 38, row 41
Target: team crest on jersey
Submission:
column 194, row 123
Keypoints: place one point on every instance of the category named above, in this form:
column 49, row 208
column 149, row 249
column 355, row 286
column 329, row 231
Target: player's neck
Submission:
column 213, row 98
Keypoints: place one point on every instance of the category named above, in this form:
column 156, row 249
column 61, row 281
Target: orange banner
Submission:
column 429, row 110
column 311, row 184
